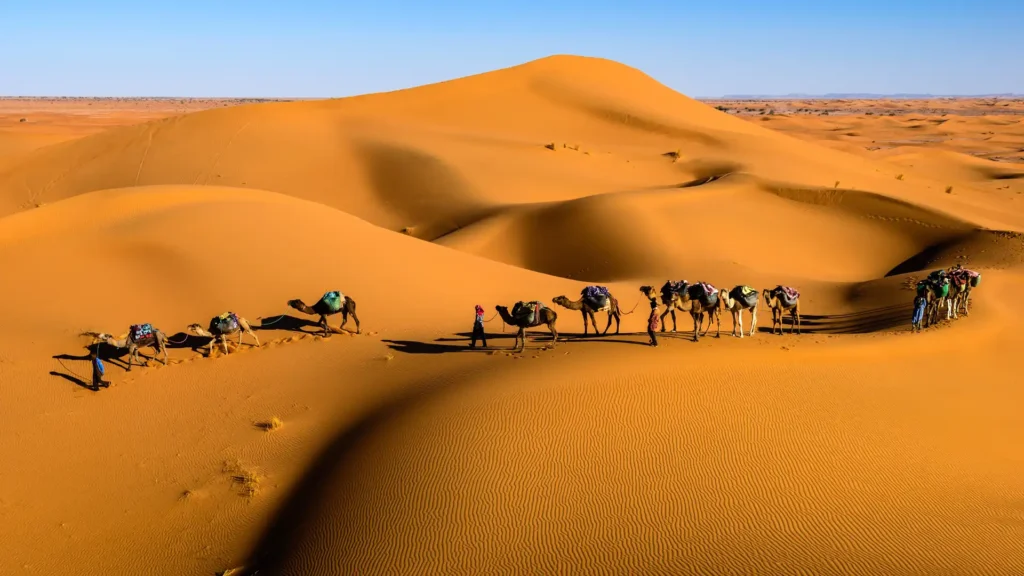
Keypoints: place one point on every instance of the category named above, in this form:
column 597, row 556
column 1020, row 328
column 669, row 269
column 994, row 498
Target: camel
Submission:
column 223, row 326
column 736, row 301
column 779, row 302
column 139, row 335
column 522, row 318
column 673, row 296
column 593, row 302
column 935, row 290
column 330, row 303
column 687, row 298
column 960, row 289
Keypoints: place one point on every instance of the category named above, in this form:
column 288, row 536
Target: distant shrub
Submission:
column 949, row 189
column 899, row 176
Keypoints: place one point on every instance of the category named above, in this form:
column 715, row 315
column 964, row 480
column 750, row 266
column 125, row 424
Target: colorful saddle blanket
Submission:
column 139, row 332
column 226, row 323
column 334, row 300
column 787, row 295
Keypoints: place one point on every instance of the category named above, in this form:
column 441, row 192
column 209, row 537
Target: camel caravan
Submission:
column 946, row 290
column 219, row 329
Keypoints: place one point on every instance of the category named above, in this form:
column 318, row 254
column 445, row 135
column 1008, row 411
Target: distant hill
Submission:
column 857, row 96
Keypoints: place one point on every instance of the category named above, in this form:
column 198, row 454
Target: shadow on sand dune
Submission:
column 864, row 322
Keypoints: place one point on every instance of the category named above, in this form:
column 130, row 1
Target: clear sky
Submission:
column 303, row 48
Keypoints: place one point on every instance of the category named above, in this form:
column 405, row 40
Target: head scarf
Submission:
column 479, row 310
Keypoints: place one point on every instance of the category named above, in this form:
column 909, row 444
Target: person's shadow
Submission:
column 105, row 352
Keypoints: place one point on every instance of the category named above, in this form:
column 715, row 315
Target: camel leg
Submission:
column 718, row 323
column 737, row 318
column 354, row 317
column 796, row 318
column 253, row 334
column 163, row 351
column 697, row 321
column 618, row 319
column 522, row 342
column 609, row 323
column 668, row 311
column 593, row 321
column 554, row 334
column 224, row 343
column 326, row 328
column 753, row 321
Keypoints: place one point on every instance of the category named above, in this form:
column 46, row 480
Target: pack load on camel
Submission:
column 938, row 287
column 333, row 300
column 705, row 293
column 226, row 323
column 744, row 294
column 596, row 296
column 961, row 276
column 787, row 295
column 671, row 288
column 528, row 313
column 138, row 332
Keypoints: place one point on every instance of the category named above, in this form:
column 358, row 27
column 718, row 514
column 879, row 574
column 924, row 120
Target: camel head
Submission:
column 560, row 300
column 767, row 297
column 647, row 291
column 197, row 329
column 103, row 337
column 297, row 304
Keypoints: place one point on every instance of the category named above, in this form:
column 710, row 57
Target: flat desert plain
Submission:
column 852, row 447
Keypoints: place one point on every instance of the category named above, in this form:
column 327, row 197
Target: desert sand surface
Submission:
column 853, row 447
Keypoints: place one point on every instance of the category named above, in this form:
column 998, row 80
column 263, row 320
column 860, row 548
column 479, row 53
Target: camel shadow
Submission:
column 861, row 322
column 289, row 324
column 183, row 340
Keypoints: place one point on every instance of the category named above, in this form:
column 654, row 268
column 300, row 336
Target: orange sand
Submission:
column 852, row 448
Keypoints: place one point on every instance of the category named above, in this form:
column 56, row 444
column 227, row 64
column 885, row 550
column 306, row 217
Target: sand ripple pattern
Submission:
column 729, row 471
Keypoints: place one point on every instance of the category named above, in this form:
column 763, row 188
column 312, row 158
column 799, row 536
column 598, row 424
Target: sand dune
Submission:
column 854, row 447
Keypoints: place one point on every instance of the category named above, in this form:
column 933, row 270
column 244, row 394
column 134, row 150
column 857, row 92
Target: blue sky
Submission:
column 296, row 48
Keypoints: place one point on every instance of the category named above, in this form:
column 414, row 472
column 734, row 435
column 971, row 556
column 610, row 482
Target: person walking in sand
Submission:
column 920, row 303
column 654, row 322
column 478, row 328
column 97, row 371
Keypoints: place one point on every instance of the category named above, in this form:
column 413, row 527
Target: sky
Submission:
column 299, row 48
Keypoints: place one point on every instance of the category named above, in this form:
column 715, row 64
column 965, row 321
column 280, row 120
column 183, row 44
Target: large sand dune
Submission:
column 852, row 448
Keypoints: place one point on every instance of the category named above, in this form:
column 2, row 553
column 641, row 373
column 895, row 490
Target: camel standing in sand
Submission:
column 329, row 304
column 136, row 338
column 223, row 326
column 687, row 298
column 673, row 296
column 736, row 301
column 702, row 303
column 779, row 302
column 541, row 315
column 589, row 306
column 935, row 290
